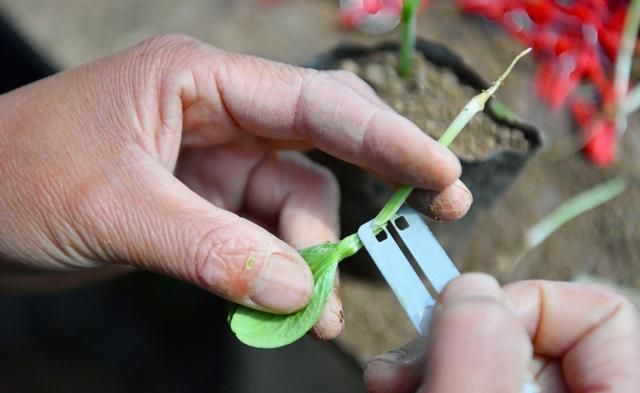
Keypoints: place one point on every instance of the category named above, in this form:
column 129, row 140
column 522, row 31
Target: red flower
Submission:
column 598, row 132
column 492, row 9
column 555, row 81
column 577, row 43
column 600, row 144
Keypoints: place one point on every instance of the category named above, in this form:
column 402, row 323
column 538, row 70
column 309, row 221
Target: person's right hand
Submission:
column 155, row 157
column 586, row 339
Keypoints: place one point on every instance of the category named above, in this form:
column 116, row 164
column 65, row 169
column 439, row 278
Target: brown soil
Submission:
column 431, row 98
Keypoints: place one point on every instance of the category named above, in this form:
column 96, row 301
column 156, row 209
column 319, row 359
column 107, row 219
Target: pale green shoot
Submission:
column 463, row 118
column 571, row 209
column 408, row 36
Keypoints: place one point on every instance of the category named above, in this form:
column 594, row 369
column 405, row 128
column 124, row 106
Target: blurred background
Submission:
column 144, row 333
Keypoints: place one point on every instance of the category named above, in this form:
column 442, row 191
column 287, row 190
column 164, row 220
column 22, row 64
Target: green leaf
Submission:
column 261, row 329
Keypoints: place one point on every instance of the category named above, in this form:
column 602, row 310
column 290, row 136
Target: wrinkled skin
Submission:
column 177, row 157
column 585, row 339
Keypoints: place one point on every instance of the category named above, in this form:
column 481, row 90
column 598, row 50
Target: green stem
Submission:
column 475, row 105
column 349, row 246
column 408, row 37
column 623, row 63
column 571, row 209
column 561, row 215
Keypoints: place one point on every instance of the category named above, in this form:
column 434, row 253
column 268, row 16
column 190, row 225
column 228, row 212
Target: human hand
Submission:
column 165, row 156
column 585, row 339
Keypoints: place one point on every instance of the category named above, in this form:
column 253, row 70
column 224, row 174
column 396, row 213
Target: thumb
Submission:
column 476, row 342
column 166, row 228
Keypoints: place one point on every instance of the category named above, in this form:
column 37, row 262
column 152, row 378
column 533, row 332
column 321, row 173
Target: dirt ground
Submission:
column 604, row 243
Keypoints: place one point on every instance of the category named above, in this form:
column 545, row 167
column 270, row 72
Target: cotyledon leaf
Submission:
column 261, row 329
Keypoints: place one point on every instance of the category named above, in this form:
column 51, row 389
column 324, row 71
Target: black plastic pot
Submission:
column 21, row 63
column 363, row 194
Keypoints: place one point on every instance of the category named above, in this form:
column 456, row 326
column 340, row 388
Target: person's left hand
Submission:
column 165, row 156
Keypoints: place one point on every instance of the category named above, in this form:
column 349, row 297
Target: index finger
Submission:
column 594, row 331
column 287, row 103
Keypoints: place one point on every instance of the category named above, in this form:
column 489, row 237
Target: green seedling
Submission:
column 408, row 36
column 264, row 330
column 567, row 211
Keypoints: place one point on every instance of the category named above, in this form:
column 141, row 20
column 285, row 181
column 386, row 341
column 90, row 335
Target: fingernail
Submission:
column 471, row 285
column 461, row 201
column 331, row 321
column 460, row 185
column 284, row 284
column 450, row 204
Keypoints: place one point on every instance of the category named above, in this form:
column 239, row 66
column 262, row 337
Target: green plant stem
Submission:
column 571, row 209
column 408, row 37
column 623, row 64
column 475, row 105
column 349, row 245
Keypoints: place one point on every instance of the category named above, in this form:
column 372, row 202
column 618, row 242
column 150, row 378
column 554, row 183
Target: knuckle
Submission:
column 272, row 72
column 313, row 178
column 352, row 80
column 323, row 179
column 619, row 301
column 164, row 50
column 169, row 42
column 285, row 73
column 210, row 267
column 324, row 184
column 310, row 79
column 346, row 76
column 222, row 262
column 603, row 295
column 481, row 313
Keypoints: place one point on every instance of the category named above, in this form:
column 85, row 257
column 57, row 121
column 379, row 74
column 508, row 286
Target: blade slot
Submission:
column 429, row 254
column 394, row 231
column 397, row 271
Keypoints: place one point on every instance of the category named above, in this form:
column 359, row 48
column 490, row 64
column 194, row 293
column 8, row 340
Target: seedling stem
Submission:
column 408, row 39
column 474, row 106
